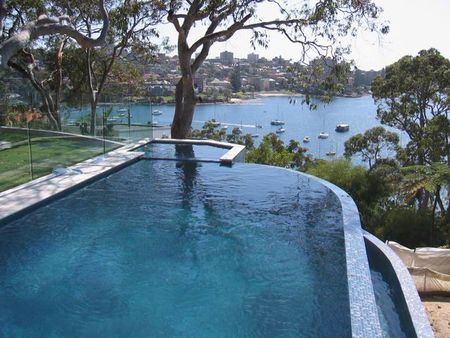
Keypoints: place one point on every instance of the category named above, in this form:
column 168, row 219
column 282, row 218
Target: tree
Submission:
column 238, row 137
column 371, row 144
column 315, row 25
column 323, row 78
column 413, row 97
column 272, row 151
column 371, row 190
column 405, row 225
column 210, row 130
column 22, row 23
column 42, row 25
column 430, row 178
column 130, row 33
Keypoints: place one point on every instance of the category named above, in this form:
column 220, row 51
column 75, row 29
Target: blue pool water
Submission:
column 168, row 151
column 170, row 249
column 387, row 310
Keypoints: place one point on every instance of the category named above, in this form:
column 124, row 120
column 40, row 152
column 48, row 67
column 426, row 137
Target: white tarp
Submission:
column 429, row 267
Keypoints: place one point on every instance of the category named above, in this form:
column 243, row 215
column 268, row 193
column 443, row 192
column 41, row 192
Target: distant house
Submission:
column 218, row 85
column 268, row 84
column 252, row 57
column 227, row 58
column 160, row 88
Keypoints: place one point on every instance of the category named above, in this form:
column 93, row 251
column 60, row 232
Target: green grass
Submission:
column 12, row 136
column 47, row 154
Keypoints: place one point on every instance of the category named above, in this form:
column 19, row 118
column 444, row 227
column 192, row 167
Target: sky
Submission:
column 414, row 25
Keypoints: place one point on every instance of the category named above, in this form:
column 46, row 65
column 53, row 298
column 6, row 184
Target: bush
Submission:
column 369, row 189
column 407, row 226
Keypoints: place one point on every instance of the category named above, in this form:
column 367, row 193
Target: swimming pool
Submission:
column 165, row 248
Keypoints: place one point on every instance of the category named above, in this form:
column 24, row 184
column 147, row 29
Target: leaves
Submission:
column 413, row 96
column 372, row 145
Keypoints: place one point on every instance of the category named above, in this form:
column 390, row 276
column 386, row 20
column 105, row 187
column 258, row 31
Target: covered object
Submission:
column 429, row 267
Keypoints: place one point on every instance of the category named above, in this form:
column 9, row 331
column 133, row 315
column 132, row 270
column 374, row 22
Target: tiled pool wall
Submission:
column 407, row 302
column 363, row 248
column 365, row 321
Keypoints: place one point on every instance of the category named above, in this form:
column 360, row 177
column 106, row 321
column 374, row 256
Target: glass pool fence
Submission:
column 35, row 141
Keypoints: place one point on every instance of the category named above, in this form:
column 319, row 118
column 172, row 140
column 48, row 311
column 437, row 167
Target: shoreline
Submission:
column 268, row 94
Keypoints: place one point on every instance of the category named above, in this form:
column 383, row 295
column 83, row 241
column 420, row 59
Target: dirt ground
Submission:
column 438, row 310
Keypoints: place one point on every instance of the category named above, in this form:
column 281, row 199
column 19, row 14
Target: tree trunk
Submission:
column 93, row 114
column 185, row 102
column 52, row 111
column 424, row 199
column 47, row 101
column 93, row 92
column 59, row 81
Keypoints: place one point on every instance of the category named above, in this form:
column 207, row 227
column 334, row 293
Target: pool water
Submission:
column 194, row 152
column 388, row 312
column 179, row 249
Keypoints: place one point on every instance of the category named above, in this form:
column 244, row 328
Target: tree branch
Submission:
column 49, row 26
column 171, row 17
column 220, row 35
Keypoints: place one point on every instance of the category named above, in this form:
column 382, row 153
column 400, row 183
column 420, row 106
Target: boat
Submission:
column 224, row 127
column 122, row 110
column 258, row 126
column 331, row 153
column 323, row 135
column 156, row 112
column 277, row 122
column 255, row 135
column 215, row 123
column 306, row 139
column 280, row 130
column 342, row 127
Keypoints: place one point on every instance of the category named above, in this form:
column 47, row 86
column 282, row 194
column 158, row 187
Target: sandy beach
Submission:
column 438, row 310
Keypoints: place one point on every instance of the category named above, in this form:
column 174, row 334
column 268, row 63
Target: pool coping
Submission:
column 234, row 152
column 364, row 318
column 408, row 289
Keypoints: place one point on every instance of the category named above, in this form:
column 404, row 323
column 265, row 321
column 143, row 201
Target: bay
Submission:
column 300, row 121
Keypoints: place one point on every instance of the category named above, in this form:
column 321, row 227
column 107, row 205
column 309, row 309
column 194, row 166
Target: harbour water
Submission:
column 300, row 121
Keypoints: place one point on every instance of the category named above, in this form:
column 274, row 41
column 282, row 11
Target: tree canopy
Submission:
column 315, row 26
column 413, row 96
column 25, row 28
column 371, row 145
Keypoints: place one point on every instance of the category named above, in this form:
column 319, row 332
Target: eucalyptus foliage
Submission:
column 413, row 96
column 316, row 27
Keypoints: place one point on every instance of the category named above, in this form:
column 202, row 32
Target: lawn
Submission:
column 12, row 136
column 48, row 153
